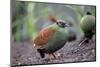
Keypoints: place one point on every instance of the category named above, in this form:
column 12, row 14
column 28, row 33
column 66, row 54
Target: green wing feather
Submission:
column 58, row 40
column 54, row 41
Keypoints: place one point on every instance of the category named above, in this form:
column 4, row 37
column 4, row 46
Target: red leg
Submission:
column 53, row 56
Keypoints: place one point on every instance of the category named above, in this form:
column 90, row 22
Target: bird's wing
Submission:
column 43, row 37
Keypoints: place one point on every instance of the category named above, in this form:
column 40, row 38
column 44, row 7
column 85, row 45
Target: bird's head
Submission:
column 60, row 23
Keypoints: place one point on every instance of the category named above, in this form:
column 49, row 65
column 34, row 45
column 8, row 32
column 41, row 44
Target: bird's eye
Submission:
column 62, row 23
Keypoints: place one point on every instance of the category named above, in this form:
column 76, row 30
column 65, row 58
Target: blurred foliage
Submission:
column 28, row 18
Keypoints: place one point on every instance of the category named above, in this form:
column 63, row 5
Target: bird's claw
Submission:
column 82, row 42
column 54, row 56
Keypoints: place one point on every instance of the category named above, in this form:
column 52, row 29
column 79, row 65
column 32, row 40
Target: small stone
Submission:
column 19, row 63
column 59, row 54
column 93, row 51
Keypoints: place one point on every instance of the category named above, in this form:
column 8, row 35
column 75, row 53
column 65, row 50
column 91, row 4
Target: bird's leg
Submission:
column 82, row 42
column 92, row 40
column 57, row 55
column 54, row 56
column 51, row 56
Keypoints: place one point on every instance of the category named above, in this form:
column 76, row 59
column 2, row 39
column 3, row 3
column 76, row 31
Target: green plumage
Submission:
column 88, row 25
column 53, row 37
column 60, row 37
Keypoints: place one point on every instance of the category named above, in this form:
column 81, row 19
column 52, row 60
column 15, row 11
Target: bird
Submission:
column 88, row 27
column 52, row 38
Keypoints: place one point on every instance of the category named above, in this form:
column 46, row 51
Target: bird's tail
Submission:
column 41, row 51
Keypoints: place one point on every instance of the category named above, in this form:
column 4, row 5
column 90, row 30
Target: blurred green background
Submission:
column 28, row 18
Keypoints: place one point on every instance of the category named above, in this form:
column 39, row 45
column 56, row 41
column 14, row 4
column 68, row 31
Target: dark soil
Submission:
column 24, row 53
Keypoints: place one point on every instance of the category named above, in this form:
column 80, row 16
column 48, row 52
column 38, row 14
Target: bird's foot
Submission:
column 51, row 57
column 57, row 55
column 84, row 40
column 54, row 56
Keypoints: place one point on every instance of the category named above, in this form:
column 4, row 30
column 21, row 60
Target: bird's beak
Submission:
column 67, row 25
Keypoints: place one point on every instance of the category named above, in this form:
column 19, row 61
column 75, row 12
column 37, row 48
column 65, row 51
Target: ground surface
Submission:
column 24, row 53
